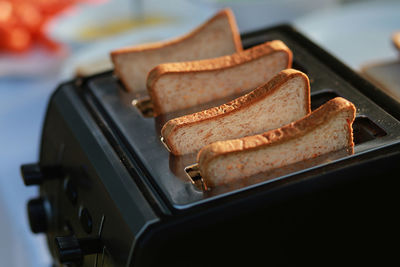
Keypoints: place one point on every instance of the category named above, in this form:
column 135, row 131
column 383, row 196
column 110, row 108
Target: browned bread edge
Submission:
column 209, row 65
column 235, row 105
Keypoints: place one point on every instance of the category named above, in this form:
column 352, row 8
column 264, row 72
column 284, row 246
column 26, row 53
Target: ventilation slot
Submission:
column 365, row 130
column 320, row 98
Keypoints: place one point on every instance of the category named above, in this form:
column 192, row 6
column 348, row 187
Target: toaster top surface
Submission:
column 374, row 128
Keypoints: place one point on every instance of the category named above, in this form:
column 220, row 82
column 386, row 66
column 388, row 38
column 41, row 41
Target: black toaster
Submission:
column 112, row 195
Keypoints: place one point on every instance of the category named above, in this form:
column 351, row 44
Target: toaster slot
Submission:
column 365, row 130
column 321, row 97
column 145, row 106
column 298, row 66
column 164, row 143
column 193, row 172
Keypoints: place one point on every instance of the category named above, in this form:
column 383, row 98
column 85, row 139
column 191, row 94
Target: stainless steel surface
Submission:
column 142, row 134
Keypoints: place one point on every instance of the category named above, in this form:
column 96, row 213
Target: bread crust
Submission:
column 227, row 12
column 158, row 45
column 277, row 136
column 235, row 105
column 215, row 64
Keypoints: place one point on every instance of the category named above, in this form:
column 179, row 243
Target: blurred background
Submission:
column 45, row 42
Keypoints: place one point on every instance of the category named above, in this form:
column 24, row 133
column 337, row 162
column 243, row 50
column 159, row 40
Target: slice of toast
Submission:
column 177, row 86
column 285, row 98
column 217, row 37
column 326, row 129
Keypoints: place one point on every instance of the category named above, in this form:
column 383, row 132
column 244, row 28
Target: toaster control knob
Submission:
column 72, row 250
column 38, row 211
column 34, row 174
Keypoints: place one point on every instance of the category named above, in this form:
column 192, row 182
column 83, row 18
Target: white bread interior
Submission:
column 326, row 129
column 177, row 86
column 285, row 98
column 217, row 37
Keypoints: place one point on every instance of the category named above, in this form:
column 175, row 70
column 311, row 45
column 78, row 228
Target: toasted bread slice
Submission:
column 176, row 86
column 326, row 129
column 285, row 98
column 217, row 37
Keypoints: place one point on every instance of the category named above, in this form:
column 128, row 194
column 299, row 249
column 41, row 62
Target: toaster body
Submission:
column 112, row 195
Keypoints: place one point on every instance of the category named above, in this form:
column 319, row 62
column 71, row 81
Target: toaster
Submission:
column 111, row 194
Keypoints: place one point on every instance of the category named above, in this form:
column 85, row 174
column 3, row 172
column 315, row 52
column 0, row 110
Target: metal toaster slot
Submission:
column 145, row 106
column 193, row 172
column 365, row 130
column 298, row 66
column 164, row 143
column 321, row 97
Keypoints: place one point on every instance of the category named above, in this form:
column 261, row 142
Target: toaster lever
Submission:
column 71, row 249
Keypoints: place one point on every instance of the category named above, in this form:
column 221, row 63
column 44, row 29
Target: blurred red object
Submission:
column 23, row 22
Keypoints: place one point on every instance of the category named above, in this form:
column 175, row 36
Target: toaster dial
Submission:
column 71, row 249
column 34, row 174
column 39, row 214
